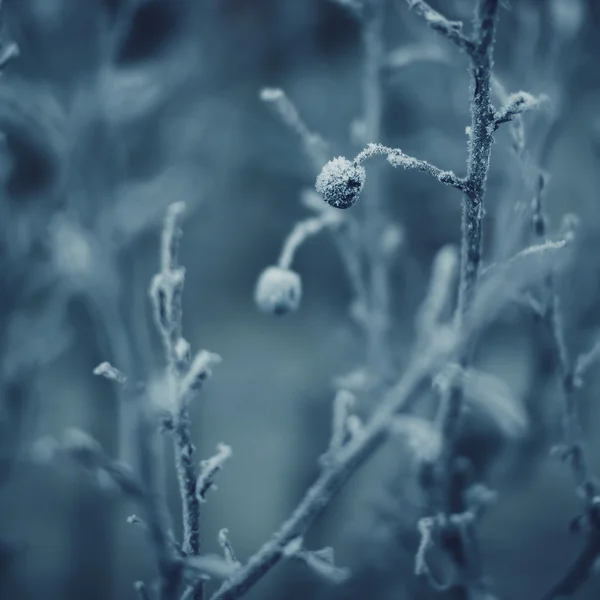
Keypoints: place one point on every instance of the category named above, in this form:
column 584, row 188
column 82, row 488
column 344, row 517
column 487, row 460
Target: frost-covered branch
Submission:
column 342, row 410
column 284, row 109
column 480, row 147
column 462, row 544
column 449, row 29
column 184, row 374
column 341, row 181
column 397, row 158
column 516, row 104
column 208, row 470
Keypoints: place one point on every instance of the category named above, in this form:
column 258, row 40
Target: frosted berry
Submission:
column 340, row 182
column 278, row 291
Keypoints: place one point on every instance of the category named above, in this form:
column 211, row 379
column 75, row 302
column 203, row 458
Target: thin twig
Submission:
column 284, row 109
column 397, row 158
column 155, row 510
column 449, row 29
column 166, row 292
column 304, row 230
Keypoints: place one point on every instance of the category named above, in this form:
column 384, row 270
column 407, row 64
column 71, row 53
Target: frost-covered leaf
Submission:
column 502, row 282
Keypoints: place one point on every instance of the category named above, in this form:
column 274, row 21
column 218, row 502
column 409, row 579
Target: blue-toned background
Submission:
column 109, row 115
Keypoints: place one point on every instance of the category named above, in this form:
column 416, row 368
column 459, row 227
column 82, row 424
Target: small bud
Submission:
column 134, row 520
column 208, row 470
column 199, row 371
column 278, row 291
column 106, row 370
column 227, row 548
column 340, row 182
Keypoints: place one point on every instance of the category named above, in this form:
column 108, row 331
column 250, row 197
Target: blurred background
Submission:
column 114, row 109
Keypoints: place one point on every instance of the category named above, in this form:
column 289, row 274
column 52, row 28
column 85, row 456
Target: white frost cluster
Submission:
column 106, row 370
column 278, row 291
column 340, row 182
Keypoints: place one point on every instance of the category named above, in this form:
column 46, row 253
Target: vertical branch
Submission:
column 479, row 151
column 374, row 214
column 479, row 147
column 461, row 543
column 166, row 290
column 156, row 517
